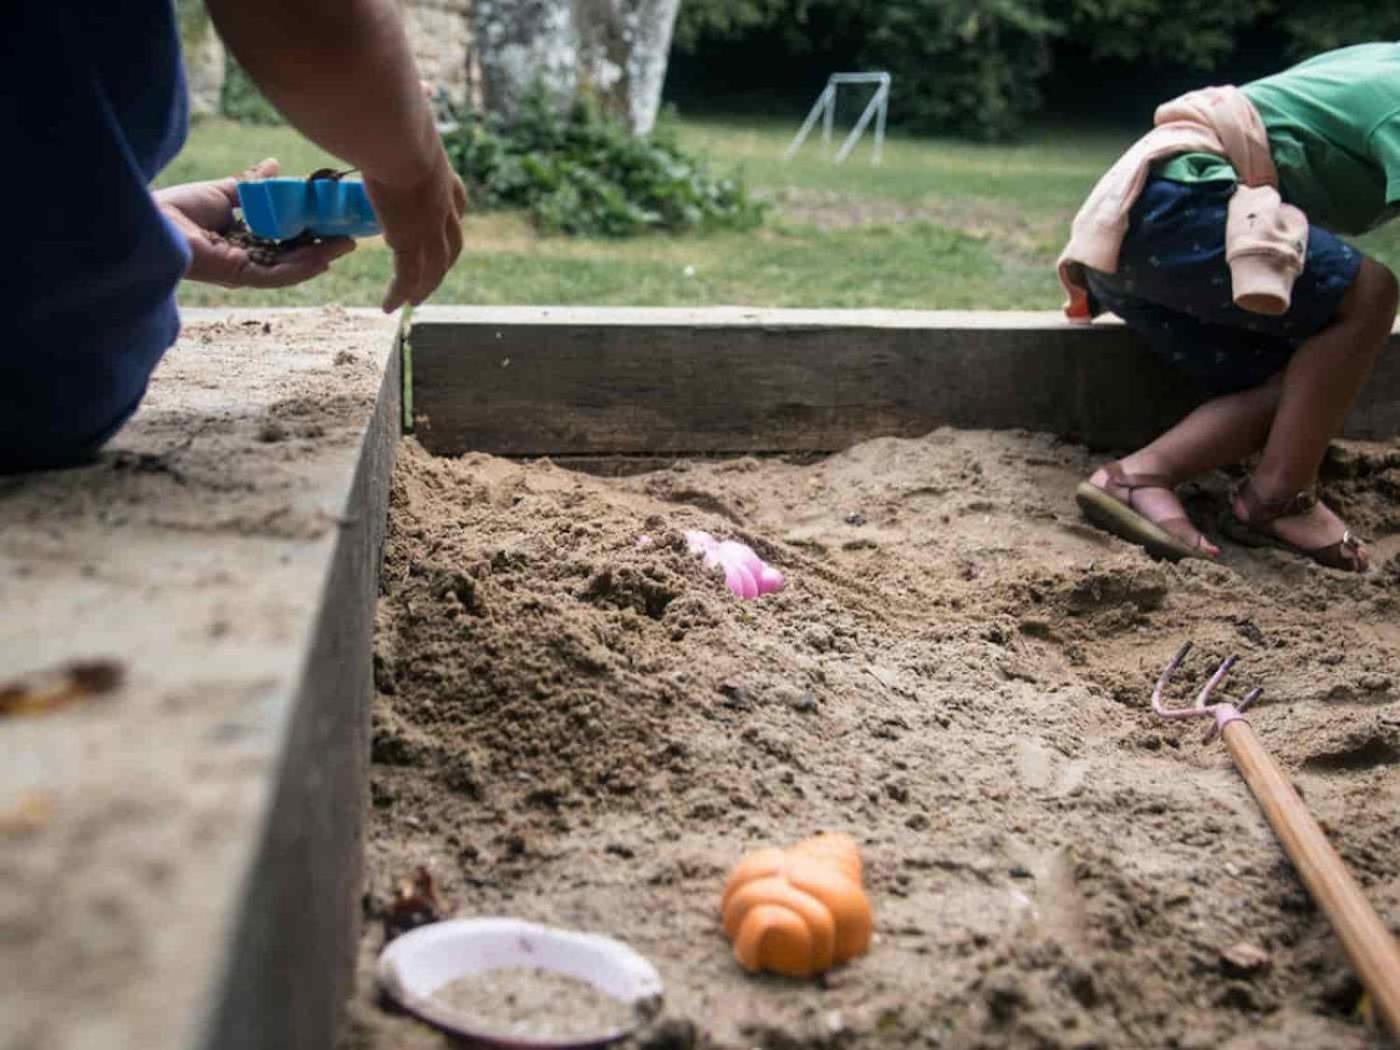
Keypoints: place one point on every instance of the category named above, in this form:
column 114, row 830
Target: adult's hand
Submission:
column 203, row 211
column 422, row 222
column 343, row 75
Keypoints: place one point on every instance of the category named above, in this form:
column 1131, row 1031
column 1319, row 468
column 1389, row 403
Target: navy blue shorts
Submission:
column 1173, row 288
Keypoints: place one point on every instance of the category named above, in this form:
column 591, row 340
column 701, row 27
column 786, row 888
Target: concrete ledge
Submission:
column 591, row 381
column 193, row 876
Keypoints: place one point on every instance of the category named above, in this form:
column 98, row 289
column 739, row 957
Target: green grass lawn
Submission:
column 941, row 224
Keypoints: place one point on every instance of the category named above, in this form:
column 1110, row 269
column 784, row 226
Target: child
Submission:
column 1214, row 237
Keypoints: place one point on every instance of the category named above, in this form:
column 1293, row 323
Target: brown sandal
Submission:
column 1171, row 538
column 1344, row 554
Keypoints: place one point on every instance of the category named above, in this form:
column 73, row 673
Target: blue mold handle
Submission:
column 280, row 209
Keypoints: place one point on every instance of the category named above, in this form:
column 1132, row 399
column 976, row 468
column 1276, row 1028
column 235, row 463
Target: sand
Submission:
column 534, row 1004
column 575, row 729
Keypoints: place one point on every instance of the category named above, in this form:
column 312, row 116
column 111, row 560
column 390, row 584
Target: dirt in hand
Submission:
column 578, row 726
column 263, row 250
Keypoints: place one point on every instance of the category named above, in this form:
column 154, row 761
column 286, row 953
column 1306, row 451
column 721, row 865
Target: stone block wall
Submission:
column 204, row 57
column 441, row 34
column 488, row 54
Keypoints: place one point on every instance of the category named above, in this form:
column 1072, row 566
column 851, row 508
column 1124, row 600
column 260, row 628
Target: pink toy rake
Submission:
column 1369, row 945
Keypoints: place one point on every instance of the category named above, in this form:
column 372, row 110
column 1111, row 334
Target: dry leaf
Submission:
column 416, row 903
column 47, row 691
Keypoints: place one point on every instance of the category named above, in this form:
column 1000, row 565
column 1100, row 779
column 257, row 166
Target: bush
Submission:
column 583, row 174
column 966, row 66
column 976, row 67
column 1312, row 28
column 1198, row 34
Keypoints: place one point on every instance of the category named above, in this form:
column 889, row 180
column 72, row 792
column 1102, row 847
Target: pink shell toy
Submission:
column 745, row 573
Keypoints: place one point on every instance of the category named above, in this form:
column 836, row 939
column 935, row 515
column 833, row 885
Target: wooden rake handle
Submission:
column 1370, row 946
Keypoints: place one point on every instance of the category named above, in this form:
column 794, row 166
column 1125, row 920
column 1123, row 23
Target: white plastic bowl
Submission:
column 417, row 964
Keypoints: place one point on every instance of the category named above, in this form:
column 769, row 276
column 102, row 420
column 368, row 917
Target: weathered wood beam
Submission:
column 588, row 381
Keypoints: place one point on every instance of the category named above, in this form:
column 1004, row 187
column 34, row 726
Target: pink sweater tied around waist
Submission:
column 1265, row 239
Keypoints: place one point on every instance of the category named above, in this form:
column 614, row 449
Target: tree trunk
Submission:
column 613, row 51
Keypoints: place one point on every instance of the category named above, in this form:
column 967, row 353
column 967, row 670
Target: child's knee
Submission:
column 1373, row 296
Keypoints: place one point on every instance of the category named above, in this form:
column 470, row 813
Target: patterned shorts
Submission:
column 1173, row 288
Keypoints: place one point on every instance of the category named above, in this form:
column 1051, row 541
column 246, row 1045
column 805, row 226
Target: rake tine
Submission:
column 1215, row 680
column 1158, row 706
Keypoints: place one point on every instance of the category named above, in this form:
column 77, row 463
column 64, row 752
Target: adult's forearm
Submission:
column 341, row 72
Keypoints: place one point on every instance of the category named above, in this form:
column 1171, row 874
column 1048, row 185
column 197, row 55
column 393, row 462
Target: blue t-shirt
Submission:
column 92, row 106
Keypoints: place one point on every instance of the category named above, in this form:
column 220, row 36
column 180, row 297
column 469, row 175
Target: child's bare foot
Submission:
column 1303, row 523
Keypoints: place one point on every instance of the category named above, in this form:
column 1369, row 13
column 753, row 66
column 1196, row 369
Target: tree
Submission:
column 977, row 66
column 1313, row 27
column 611, row 51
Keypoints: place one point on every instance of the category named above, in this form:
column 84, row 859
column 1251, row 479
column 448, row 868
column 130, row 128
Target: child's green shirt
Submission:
column 1334, row 129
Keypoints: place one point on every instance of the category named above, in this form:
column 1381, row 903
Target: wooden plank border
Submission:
column 290, row 963
column 532, row 381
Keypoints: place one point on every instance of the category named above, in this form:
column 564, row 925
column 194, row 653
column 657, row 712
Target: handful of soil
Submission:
column 263, row 250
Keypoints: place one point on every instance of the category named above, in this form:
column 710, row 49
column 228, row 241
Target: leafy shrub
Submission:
column 966, row 66
column 1312, row 28
column 977, row 66
column 583, row 174
column 242, row 101
column 698, row 20
column 1198, row 34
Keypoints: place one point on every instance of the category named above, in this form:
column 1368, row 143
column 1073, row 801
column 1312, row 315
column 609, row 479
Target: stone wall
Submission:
column 439, row 30
column 204, row 58
column 488, row 54
column 441, row 34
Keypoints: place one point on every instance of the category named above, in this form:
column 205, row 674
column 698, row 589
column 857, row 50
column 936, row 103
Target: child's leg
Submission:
column 1319, row 386
column 1173, row 287
column 1223, row 430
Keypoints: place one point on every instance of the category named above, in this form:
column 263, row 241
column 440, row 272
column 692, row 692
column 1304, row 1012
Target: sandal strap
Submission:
column 1179, row 528
column 1132, row 482
column 1259, row 511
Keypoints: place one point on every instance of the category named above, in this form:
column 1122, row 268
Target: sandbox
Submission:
column 572, row 721
column 576, row 723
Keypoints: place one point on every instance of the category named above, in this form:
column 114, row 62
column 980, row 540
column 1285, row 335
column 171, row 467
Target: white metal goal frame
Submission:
column 825, row 109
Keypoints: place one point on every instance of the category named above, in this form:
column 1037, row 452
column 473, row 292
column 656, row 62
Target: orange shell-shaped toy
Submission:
column 799, row 911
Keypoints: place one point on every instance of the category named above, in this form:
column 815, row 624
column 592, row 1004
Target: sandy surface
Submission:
column 193, row 554
column 571, row 729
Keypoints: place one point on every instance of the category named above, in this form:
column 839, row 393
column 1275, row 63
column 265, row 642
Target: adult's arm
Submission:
column 342, row 73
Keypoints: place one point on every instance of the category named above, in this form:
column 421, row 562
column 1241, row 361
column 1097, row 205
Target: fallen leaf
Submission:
column 416, row 903
column 50, row 690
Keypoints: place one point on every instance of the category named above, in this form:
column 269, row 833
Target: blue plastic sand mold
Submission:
column 280, row 209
